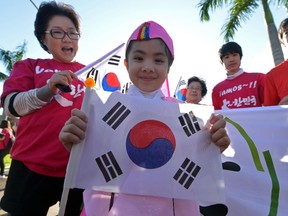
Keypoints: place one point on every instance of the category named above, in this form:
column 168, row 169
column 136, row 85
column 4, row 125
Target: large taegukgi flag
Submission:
column 147, row 147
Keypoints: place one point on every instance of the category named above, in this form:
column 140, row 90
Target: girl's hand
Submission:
column 284, row 101
column 218, row 131
column 74, row 129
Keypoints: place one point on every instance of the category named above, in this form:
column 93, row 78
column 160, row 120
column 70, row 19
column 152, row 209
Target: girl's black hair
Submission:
column 46, row 11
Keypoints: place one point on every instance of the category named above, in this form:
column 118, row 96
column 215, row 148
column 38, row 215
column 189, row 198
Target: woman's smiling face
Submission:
column 63, row 50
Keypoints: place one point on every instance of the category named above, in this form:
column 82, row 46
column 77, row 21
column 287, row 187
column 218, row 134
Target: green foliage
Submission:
column 7, row 161
column 240, row 11
column 8, row 58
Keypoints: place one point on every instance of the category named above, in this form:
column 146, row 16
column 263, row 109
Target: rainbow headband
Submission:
column 150, row 30
column 144, row 32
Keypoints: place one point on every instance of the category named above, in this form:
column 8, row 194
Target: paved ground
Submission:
column 53, row 211
column 2, row 186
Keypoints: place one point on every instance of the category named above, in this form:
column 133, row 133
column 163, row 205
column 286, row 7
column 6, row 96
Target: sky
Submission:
column 107, row 24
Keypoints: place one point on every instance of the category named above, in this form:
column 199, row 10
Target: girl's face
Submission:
column 231, row 62
column 63, row 50
column 147, row 64
column 194, row 93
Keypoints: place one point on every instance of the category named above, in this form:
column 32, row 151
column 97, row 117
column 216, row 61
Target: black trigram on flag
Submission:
column 125, row 87
column 187, row 173
column 189, row 123
column 116, row 115
column 108, row 166
column 114, row 60
column 93, row 73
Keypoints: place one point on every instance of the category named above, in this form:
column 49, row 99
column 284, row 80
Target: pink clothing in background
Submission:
column 245, row 90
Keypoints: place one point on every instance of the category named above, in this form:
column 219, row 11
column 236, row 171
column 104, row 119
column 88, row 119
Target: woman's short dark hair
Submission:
column 201, row 81
column 46, row 11
column 230, row 47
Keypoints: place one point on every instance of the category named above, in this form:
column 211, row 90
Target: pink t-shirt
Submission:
column 37, row 144
column 8, row 135
column 245, row 90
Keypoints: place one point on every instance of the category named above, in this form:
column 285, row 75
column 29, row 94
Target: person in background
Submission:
column 149, row 56
column 6, row 141
column 276, row 80
column 2, row 154
column 39, row 160
column 240, row 89
column 196, row 90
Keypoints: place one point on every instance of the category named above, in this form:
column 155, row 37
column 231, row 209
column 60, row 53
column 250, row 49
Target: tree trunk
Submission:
column 275, row 44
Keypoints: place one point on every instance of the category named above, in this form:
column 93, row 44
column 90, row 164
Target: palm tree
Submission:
column 241, row 10
column 8, row 59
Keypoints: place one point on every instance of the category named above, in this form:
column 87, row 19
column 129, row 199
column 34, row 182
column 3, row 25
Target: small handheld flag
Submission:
column 181, row 89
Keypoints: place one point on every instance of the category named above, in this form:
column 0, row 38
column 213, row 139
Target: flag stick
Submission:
column 178, row 84
column 76, row 150
column 75, row 156
column 168, row 88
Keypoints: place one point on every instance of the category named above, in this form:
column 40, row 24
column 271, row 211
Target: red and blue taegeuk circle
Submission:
column 110, row 82
column 150, row 144
column 181, row 94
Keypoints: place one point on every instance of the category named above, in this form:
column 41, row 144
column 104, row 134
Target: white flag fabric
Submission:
column 147, row 147
column 108, row 72
column 259, row 157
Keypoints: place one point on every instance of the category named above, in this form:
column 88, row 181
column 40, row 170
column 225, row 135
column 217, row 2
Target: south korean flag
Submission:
column 139, row 146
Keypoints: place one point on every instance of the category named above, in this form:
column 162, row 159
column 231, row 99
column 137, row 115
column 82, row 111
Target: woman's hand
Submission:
column 64, row 78
column 47, row 92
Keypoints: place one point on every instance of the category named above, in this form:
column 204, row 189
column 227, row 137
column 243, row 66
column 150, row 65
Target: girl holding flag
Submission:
column 149, row 56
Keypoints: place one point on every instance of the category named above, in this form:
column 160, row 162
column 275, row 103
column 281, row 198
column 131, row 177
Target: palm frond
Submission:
column 209, row 5
column 5, row 57
column 239, row 12
column 283, row 3
column 8, row 58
